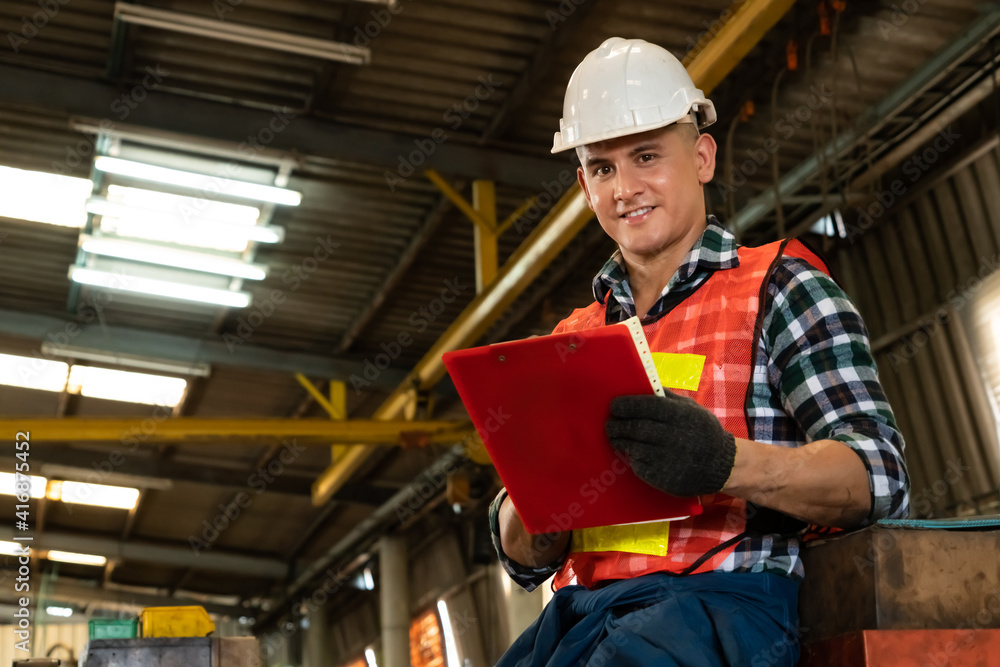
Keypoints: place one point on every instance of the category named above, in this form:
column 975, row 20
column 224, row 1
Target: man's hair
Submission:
column 691, row 130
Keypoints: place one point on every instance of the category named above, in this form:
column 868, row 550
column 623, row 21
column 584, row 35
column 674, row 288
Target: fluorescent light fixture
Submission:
column 451, row 648
column 98, row 495
column 63, row 612
column 126, row 386
column 205, row 183
column 179, row 141
column 135, row 361
column 72, row 473
column 192, row 211
column 164, row 288
column 42, row 197
column 32, row 373
column 79, row 559
column 7, row 488
column 182, row 259
column 370, row 657
column 11, row 548
column 154, row 224
column 242, row 34
column 45, row 375
column 363, row 580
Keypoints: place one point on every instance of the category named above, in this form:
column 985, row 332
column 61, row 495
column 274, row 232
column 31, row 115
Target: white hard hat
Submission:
column 627, row 86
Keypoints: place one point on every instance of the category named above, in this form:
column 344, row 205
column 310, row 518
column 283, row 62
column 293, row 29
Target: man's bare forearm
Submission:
column 523, row 547
column 823, row 482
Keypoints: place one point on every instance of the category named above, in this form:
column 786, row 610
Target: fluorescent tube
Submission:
column 242, row 34
column 80, row 559
column 181, row 259
column 135, row 361
column 42, row 197
column 201, row 182
column 451, row 649
column 127, row 386
column 64, row 612
column 8, row 485
column 98, row 495
column 32, row 372
column 164, row 288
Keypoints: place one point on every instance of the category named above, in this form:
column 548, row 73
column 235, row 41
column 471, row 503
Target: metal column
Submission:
column 394, row 598
column 522, row 607
column 317, row 648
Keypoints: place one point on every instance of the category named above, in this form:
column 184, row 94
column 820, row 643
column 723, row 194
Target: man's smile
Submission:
column 637, row 215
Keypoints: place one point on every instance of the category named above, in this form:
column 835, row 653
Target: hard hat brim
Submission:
column 702, row 108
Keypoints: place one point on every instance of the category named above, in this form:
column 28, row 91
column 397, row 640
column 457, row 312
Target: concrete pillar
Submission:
column 317, row 644
column 522, row 607
column 394, row 598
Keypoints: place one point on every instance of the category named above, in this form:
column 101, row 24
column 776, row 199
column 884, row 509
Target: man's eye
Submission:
column 602, row 171
column 646, row 157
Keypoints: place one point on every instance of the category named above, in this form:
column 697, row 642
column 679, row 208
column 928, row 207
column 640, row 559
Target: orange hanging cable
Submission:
column 825, row 27
column 792, row 55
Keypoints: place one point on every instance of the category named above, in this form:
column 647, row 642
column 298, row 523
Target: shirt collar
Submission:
column 714, row 250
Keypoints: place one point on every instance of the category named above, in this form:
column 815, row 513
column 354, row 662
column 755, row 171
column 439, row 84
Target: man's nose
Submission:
column 627, row 184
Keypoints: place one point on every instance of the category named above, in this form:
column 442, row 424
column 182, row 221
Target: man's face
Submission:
column 646, row 189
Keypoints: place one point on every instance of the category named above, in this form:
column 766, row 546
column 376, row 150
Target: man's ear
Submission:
column 705, row 149
column 583, row 186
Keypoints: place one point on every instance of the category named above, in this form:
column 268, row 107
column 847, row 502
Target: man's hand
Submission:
column 672, row 443
column 523, row 547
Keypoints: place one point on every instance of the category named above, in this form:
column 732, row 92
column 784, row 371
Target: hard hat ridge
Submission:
column 627, row 86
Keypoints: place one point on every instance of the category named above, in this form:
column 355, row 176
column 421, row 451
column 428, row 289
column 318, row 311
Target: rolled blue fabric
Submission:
column 717, row 619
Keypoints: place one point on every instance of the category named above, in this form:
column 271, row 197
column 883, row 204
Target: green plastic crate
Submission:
column 114, row 628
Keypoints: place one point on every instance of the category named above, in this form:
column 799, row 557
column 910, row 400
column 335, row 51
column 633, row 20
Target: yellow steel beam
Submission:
column 748, row 23
column 79, row 429
column 458, row 200
column 556, row 230
column 567, row 217
column 327, row 405
column 336, row 406
column 338, row 401
column 484, row 200
column 512, row 218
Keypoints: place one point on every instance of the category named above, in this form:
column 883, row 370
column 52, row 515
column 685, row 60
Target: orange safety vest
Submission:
column 719, row 324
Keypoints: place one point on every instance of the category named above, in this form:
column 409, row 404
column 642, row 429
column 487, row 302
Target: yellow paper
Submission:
column 638, row 538
column 679, row 371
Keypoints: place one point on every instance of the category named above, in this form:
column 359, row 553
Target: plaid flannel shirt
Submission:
column 814, row 379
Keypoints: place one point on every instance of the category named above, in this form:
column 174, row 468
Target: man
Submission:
column 788, row 426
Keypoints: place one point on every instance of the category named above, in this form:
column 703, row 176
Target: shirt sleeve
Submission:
column 821, row 363
column 528, row 578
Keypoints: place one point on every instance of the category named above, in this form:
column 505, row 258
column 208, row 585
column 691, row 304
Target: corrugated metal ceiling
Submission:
column 395, row 250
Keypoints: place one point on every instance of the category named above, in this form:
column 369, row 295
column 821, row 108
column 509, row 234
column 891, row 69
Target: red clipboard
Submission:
column 540, row 406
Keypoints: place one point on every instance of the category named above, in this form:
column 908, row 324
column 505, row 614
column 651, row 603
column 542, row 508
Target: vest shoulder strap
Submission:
column 796, row 248
column 582, row 318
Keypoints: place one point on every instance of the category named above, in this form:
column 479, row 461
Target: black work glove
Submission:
column 672, row 443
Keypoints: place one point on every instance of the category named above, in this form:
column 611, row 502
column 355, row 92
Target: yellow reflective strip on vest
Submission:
column 637, row 538
column 679, row 371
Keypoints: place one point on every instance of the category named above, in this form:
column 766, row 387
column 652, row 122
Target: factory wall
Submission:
column 922, row 270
